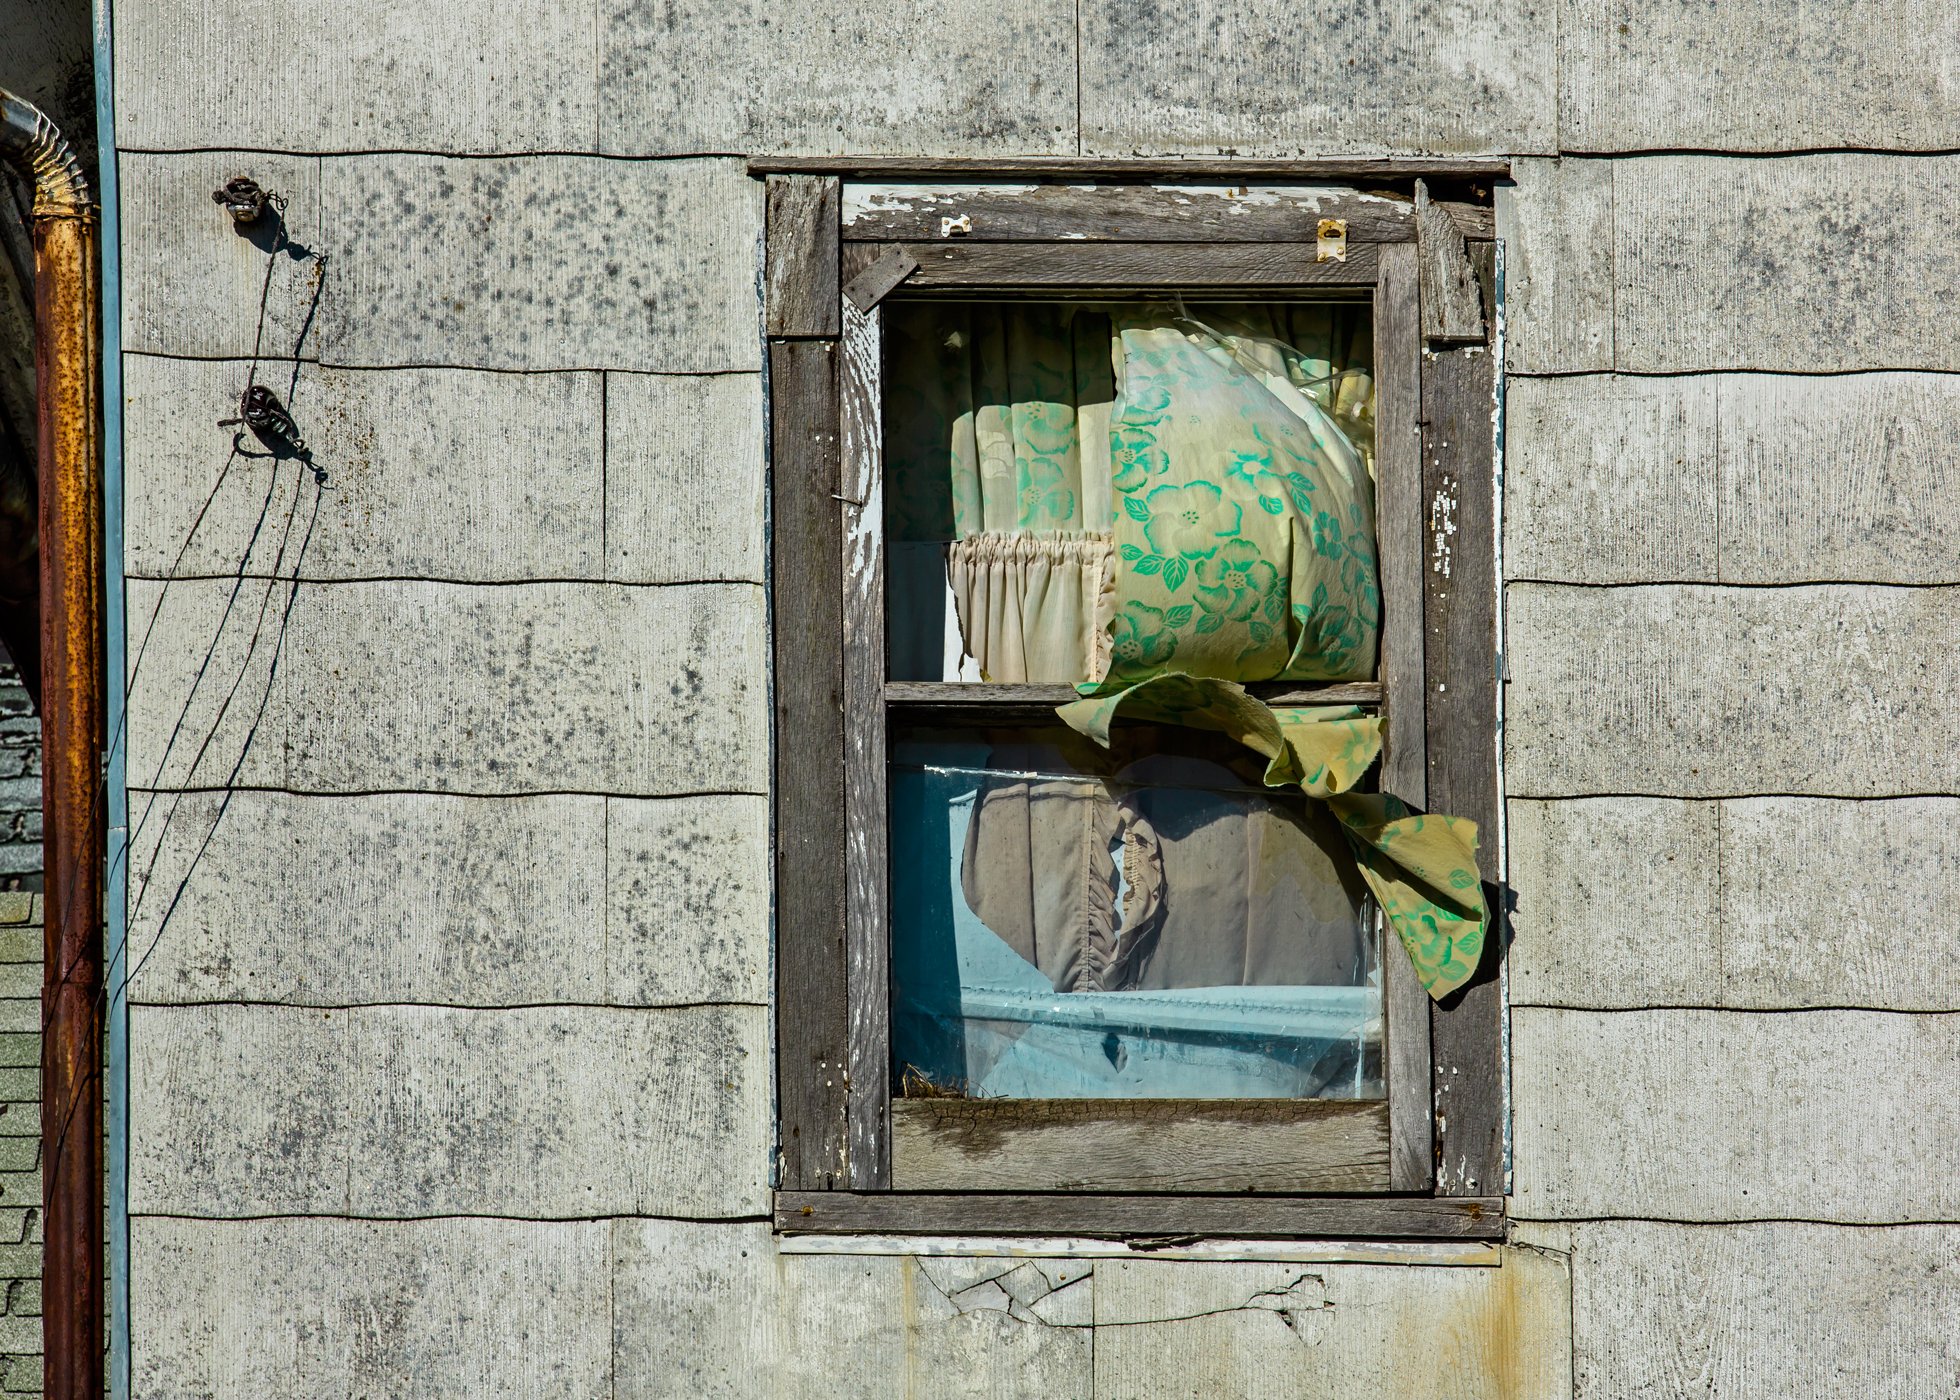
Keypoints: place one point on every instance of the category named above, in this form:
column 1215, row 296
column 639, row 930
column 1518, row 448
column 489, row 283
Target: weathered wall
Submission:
column 450, row 885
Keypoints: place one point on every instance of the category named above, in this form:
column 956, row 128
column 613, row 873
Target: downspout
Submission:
column 68, row 378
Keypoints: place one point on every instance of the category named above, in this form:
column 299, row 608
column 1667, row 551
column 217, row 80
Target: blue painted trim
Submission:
column 115, row 922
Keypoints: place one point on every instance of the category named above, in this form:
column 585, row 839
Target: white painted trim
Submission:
column 1466, row 1254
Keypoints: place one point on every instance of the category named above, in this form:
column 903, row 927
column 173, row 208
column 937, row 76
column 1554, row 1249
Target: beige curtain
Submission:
column 1034, row 607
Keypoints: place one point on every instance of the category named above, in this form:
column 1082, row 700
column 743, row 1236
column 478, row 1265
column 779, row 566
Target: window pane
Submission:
column 1148, row 921
column 1062, row 476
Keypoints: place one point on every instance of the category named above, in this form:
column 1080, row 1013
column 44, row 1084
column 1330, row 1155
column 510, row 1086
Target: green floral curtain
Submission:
column 1221, row 456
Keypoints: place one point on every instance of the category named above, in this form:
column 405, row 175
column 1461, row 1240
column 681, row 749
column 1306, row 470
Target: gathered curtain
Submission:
column 1158, row 503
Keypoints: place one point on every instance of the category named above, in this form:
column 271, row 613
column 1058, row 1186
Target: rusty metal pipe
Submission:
column 68, row 394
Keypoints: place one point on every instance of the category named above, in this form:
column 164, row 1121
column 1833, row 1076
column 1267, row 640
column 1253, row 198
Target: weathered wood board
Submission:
column 1005, row 211
column 1149, row 1145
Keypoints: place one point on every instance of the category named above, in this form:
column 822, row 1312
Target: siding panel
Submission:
column 1853, row 477
column 415, row 1111
column 1764, row 1312
column 192, row 283
column 1616, row 902
column 551, row 262
column 440, row 473
column 684, row 477
column 325, row 1309
column 1722, row 1115
column 452, row 688
column 332, row 901
column 1757, row 75
column 687, row 900
column 1737, row 478
column 1282, row 1330
column 712, row 1312
column 1802, row 264
column 1828, row 903
column 465, row 75
column 1610, row 480
column 1556, row 220
column 1412, row 76
column 1680, row 690
column 837, row 76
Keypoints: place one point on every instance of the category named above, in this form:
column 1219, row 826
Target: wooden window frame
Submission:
column 1422, row 261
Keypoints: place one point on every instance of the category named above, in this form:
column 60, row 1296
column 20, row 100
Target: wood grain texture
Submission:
column 435, row 473
column 800, row 273
column 1855, row 1311
column 811, row 959
column 324, row 1309
column 1612, row 479
column 1411, row 77
column 1873, row 75
column 1452, row 306
column 1145, row 1217
column 876, row 282
column 1277, row 1331
column 702, row 75
column 542, row 262
column 1727, row 1115
column 1556, row 220
column 684, row 477
column 865, row 807
column 1005, row 212
column 466, row 77
column 1693, row 691
column 715, row 1312
column 1399, row 533
column 1399, row 524
column 954, row 265
column 1239, row 169
column 1460, row 661
column 1800, row 264
column 1146, row 1145
column 413, row 1111
column 492, row 690
column 955, row 695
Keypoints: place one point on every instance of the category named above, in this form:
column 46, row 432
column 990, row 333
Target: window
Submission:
column 1132, row 562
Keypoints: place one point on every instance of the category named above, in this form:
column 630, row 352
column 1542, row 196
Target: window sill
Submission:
column 1450, row 1254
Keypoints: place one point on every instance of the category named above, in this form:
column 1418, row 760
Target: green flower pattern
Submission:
column 1239, row 495
column 1243, row 520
